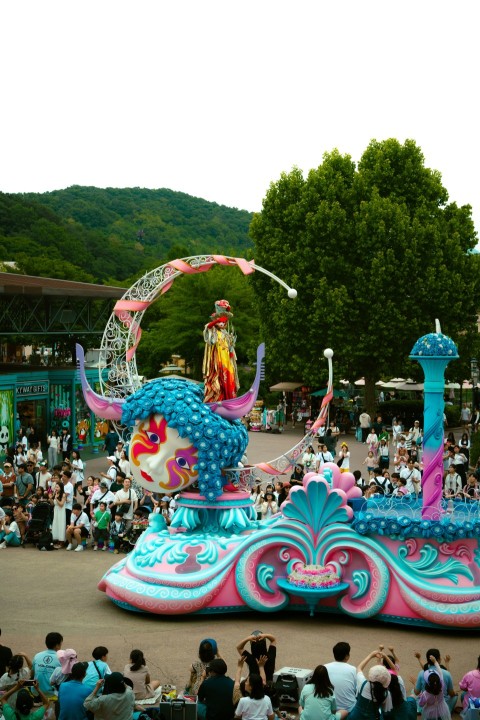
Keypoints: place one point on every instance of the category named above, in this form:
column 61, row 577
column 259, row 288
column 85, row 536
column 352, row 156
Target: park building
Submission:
column 41, row 319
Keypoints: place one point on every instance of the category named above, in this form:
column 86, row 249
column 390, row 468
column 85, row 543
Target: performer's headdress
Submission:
column 222, row 313
column 222, row 309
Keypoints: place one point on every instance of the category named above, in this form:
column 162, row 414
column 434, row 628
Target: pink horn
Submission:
column 106, row 408
column 238, row 407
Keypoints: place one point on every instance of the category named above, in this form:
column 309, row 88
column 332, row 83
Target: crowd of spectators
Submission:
column 108, row 510
column 56, row 683
column 392, row 465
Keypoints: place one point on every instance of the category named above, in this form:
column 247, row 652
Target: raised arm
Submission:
column 365, row 661
column 390, row 663
column 261, row 668
column 394, row 654
column 265, row 636
column 15, row 688
column 237, row 694
column 418, row 656
column 26, row 658
column 242, row 643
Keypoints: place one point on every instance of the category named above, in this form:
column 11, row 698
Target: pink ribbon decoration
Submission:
column 122, row 311
column 322, row 416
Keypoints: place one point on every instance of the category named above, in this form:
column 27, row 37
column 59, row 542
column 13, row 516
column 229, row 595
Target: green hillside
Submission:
column 111, row 235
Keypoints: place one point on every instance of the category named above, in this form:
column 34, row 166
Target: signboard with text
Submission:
column 32, row 389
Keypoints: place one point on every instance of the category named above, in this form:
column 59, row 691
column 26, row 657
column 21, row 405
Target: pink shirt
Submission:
column 471, row 683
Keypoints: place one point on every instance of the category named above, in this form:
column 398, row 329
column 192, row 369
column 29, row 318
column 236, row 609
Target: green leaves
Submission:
column 376, row 254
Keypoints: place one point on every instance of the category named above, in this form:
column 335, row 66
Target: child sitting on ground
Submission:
column 432, row 700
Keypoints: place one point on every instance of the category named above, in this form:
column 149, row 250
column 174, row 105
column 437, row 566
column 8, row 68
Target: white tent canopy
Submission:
column 410, row 386
column 285, row 386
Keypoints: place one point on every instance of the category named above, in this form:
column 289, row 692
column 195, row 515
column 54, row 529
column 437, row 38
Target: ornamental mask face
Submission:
column 160, row 459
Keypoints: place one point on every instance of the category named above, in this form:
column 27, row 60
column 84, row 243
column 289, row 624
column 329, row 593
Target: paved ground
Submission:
column 40, row 592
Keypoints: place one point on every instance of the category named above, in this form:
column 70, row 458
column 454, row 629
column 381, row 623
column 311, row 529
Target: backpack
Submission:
column 45, row 541
column 286, row 688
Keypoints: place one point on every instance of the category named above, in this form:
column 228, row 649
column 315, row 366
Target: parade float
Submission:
column 398, row 561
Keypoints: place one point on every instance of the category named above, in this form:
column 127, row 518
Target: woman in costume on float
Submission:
column 220, row 361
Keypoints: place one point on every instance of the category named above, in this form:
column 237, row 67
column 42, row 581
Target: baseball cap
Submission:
column 379, row 673
column 112, row 458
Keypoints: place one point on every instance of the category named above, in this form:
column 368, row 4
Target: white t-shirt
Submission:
column 465, row 414
column 344, row 680
column 43, row 479
column 109, row 497
column 413, row 478
column 112, row 475
column 346, row 459
column 82, row 519
column 77, row 470
column 121, row 496
column 323, row 457
column 68, row 488
column 53, row 442
column 364, row 420
column 453, row 483
column 250, row 709
column 13, row 527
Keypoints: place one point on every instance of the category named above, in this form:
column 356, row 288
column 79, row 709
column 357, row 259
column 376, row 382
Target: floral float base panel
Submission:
column 221, row 559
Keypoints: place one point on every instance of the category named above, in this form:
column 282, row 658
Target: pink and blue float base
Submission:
column 218, row 558
column 421, row 568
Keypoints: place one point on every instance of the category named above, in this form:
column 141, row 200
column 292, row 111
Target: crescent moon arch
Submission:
column 123, row 330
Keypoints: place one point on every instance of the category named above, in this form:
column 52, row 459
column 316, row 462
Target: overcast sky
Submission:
column 216, row 99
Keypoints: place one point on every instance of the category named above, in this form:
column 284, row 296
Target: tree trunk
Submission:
column 370, row 402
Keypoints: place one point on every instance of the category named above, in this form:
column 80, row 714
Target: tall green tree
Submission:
column 376, row 253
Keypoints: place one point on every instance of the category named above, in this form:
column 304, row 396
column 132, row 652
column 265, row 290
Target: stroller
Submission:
column 39, row 523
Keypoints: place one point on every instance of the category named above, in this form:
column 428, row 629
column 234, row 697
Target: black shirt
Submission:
column 5, row 657
column 217, row 694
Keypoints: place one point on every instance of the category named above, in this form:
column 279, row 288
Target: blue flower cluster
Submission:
column 220, row 443
column 435, row 345
column 403, row 527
